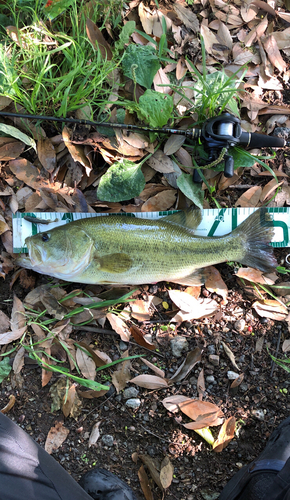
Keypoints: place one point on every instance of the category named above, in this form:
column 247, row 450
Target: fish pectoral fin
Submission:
column 190, row 218
column 196, row 278
column 114, row 263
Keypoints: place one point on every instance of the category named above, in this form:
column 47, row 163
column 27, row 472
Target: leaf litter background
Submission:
column 222, row 373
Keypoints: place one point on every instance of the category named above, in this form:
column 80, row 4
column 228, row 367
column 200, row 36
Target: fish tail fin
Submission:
column 257, row 232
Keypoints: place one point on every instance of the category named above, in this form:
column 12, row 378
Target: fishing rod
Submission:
column 217, row 135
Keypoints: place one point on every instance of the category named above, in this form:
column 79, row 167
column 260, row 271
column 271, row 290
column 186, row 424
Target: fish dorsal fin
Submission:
column 190, row 218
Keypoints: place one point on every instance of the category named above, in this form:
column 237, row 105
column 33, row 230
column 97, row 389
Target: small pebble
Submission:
column 258, row 414
column 232, row 375
column 178, row 344
column 214, row 359
column 133, row 403
column 211, row 349
column 210, row 379
column 130, row 392
column 240, row 325
column 108, row 440
column 123, row 345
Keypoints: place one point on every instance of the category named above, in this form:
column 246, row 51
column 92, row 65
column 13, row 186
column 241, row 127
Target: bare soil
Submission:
column 259, row 404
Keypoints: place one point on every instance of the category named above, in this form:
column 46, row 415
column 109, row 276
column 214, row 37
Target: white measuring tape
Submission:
column 215, row 222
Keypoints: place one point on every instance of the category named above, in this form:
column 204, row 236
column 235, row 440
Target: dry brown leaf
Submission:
column 26, row 172
column 158, row 371
column 56, row 436
column 153, row 467
column 9, row 405
column 11, row 150
column 76, row 151
column 18, row 362
column 97, row 40
column 95, row 434
column 46, row 154
column 215, row 284
column 160, row 162
column 171, row 403
column 187, row 17
column 210, row 39
column 161, row 82
column 140, row 310
column 183, row 300
column 166, row 472
column 91, row 394
column 150, row 382
column 122, row 374
column 225, row 36
column 144, row 483
column 204, row 308
column 194, row 291
column 181, row 68
column 159, row 202
column 282, row 37
column 184, row 158
column 201, row 385
column 282, row 289
column 250, row 198
column 231, row 356
column 195, row 409
column 146, row 18
column 99, row 358
column 250, row 274
column 256, row 32
column 86, row 364
column 4, row 322
column 173, row 144
column 119, row 326
column 7, row 337
column 271, row 47
column 188, row 364
column 249, row 11
column 237, row 382
column 18, row 318
column 68, row 400
column 271, row 309
column 270, row 189
column 286, row 345
column 226, row 434
column 140, row 339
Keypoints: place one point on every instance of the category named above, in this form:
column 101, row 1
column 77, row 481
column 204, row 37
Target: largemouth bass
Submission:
column 132, row 251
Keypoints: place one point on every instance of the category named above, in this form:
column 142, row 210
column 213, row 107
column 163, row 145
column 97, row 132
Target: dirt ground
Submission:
column 260, row 403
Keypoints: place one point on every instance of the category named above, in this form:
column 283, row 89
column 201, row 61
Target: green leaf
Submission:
column 125, row 34
column 155, row 108
column 141, row 64
column 5, row 368
column 54, row 8
column 122, row 181
column 191, row 189
column 241, row 158
column 14, row 132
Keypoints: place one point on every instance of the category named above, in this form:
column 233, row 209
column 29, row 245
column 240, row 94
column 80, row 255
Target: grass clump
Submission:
column 52, row 69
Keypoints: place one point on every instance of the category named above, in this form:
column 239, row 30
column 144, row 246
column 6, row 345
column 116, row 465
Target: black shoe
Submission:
column 101, row 484
column 271, row 460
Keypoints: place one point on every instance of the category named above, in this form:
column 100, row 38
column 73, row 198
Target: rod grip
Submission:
column 261, row 140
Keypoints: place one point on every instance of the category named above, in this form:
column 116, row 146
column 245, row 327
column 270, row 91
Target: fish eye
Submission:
column 45, row 237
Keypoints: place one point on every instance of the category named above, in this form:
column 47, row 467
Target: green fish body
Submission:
column 123, row 250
